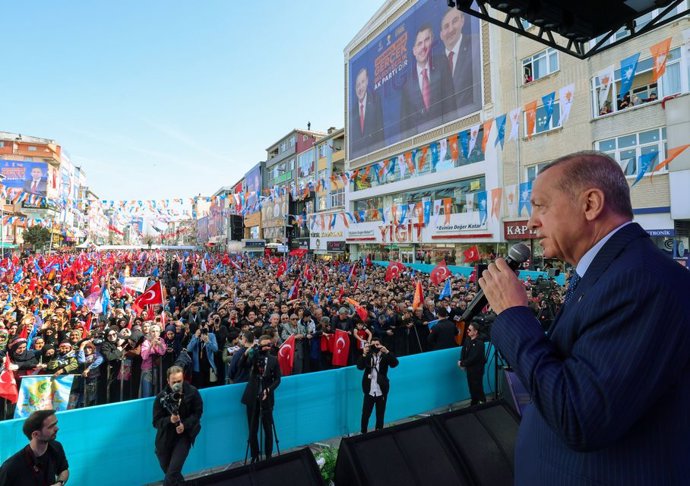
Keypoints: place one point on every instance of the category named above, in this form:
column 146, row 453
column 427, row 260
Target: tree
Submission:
column 37, row 236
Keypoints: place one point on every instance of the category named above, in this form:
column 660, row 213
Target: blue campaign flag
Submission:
column 433, row 323
column 260, row 263
column 645, row 161
column 464, row 137
column 105, row 300
column 446, row 292
column 628, row 70
column 155, row 272
column 501, row 127
column 19, row 274
column 34, row 330
column 89, row 271
column 316, row 298
column 37, row 267
column 548, row 101
column 525, row 195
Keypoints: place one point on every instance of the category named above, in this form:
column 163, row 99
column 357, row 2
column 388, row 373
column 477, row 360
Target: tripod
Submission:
column 256, row 415
column 501, row 363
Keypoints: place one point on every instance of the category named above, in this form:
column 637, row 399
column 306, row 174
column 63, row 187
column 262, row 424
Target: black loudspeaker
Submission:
column 236, row 227
column 297, row 468
column 473, row 446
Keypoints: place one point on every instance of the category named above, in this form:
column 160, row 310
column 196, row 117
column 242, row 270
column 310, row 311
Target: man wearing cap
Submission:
column 65, row 361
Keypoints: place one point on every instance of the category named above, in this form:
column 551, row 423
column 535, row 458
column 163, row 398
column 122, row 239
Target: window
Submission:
column 2, row 144
column 32, row 148
column 292, row 141
column 525, row 24
column 628, row 149
column 534, row 170
column 541, row 124
column 640, row 22
column 643, row 89
column 338, row 198
column 541, row 64
column 283, row 146
column 322, row 150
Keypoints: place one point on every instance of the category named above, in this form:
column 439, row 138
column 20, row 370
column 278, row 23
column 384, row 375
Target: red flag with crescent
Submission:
column 440, row 273
column 152, row 295
column 286, row 356
column 8, row 384
column 341, row 348
column 394, row 270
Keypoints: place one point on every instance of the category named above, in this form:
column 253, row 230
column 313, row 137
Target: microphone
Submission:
column 517, row 255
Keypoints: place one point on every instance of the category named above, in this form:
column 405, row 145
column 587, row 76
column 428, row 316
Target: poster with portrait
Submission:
column 422, row 72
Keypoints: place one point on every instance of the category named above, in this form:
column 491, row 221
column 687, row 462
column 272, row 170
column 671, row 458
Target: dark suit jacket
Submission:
column 464, row 76
column 610, row 384
column 191, row 410
column 42, row 186
column 271, row 379
column 367, row 362
column 442, row 335
column 414, row 117
column 372, row 137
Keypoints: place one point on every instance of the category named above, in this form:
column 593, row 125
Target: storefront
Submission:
column 327, row 236
column 253, row 246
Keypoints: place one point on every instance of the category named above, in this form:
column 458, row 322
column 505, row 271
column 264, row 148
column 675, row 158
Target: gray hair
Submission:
column 588, row 169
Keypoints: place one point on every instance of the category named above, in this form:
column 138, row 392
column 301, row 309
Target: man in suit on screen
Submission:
column 367, row 117
column 458, row 54
column 428, row 91
column 610, row 381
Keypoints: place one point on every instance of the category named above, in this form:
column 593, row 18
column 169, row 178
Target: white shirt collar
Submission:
column 589, row 256
column 455, row 49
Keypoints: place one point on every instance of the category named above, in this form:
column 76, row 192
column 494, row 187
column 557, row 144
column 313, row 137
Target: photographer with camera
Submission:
column 177, row 414
column 375, row 361
column 264, row 378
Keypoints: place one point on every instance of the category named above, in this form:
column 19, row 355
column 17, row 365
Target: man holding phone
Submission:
column 375, row 361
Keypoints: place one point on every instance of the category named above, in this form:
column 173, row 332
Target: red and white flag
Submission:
column 471, row 254
column 8, row 385
column 286, row 356
column 440, row 273
column 341, row 348
column 394, row 270
column 152, row 296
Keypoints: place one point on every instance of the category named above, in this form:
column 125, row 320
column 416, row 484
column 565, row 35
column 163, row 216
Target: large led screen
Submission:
column 423, row 71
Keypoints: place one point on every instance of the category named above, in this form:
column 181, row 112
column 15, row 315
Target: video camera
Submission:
column 171, row 401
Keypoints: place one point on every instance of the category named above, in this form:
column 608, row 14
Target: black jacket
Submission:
column 270, row 378
column 367, row 362
column 442, row 335
column 191, row 410
column 472, row 355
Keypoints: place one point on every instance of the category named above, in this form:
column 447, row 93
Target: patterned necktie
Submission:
column 34, row 186
column 450, row 61
column 572, row 284
column 426, row 90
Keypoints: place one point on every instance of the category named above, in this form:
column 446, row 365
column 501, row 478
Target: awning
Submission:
column 8, row 245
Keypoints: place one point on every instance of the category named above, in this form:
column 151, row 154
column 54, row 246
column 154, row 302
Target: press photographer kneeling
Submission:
column 177, row 414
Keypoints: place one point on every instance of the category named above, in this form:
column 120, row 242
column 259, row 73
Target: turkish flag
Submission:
column 440, row 273
column 308, row 274
column 286, row 356
column 8, row 385
column 418, row 300
column 153, row 295
column 394, row 270
column 282, row 268
column 341, row 348
column 327, row 343
column 471, row 254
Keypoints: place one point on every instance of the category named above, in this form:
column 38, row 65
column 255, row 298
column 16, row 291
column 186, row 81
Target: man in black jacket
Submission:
column 177, row 414
column 472, row 360
column 375, row 361
column 442, row 334
column 264, row 378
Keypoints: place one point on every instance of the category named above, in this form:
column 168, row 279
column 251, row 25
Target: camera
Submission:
column 204, row 330
column 171, row 401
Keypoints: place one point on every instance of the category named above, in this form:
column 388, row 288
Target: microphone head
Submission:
column 176, row 387
column 519, row 253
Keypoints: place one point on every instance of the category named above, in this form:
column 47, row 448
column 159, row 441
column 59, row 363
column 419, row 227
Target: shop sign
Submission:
column 518, row 230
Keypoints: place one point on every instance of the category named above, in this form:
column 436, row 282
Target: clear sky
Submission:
column 161, row 99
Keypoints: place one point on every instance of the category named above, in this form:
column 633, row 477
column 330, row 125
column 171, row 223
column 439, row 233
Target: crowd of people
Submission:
column 72, row 313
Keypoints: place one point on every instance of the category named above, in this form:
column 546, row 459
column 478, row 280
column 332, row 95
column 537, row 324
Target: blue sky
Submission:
column 162, row 98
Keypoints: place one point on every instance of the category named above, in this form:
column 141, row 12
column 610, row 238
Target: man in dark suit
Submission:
column 367, row 117
column 264, row 378
column 428, row 91
column 472, row 360
column 610, row 381
column 442, row 334
column 36, row 184
column 177, row 414
column 375, row 361
column 458, row 55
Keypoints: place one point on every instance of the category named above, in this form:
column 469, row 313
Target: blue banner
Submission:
column 628, row 70
column 42, row 393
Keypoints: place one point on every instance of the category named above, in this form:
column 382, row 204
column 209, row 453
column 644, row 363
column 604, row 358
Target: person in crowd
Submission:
column 202, row 349
column 259, row 394
column 296, row 328
column 90, row 361
column 442, row 334
column 601, row 401
column 177, row 412
column 64, row 362
column 375, row 361
column 43, row 460
column 152, row 348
